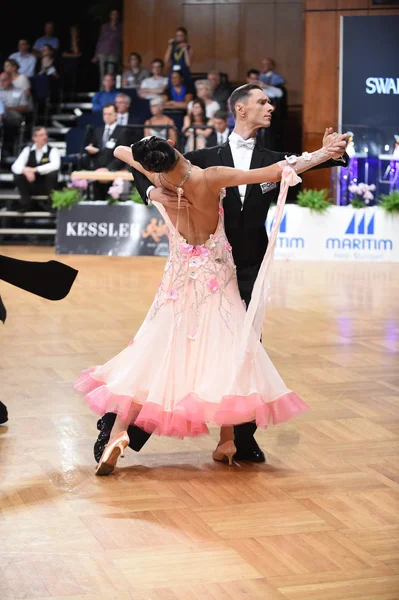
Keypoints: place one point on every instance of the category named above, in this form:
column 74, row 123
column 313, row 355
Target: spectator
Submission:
column 107, row 95
column 196, row 138
column 14, row 100
column 177, row 94
column 46, row 64
column 204, row 92
column 268, row 74
column 71, row 60
column 100, row 148
column 25, row 59
column 220, row 90
column 270, row 90
column 154, row 86
column 158, row 119
column 18, row 80
column 36, row 169
column 179, row 55
column 48, row 38
column 135, row 74
column 109, row 46
column 222, row 130
column 122, row 103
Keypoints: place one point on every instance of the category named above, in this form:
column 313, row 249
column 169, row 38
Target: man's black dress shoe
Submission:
column 3, row 413
column 253, row 454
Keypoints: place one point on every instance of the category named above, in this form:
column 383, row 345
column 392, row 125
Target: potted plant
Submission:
column 390, row 202
column 315, row 200
column 69, row 195
column 363, row 195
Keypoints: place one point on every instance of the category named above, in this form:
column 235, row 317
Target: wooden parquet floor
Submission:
column 319, row 521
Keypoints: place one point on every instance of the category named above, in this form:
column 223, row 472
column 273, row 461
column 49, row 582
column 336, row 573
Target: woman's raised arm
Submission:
column 220, row 177
column 124, row 153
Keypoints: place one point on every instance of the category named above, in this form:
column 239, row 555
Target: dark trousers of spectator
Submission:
column 42, row 186
column 100, row 190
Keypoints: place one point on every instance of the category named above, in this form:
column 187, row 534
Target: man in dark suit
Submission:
column 222, row 131
column 100, row 145
column 245, row 210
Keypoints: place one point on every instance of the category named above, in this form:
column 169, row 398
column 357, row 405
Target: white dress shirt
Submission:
column 123, row 119
column 53, row 164
column 222, row 137
column 242, row 151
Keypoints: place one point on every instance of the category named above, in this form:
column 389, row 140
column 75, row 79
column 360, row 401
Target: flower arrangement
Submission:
column 69, row 195
column 115, row 191
column 362, row 194
column 317, row 200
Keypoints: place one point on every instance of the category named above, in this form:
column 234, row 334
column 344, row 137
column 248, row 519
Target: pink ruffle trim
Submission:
column 192, row 413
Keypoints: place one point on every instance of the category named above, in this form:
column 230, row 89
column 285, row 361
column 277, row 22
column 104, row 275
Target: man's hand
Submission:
column 167, row 199
column 90, row 149
column 340, row 142
column 30, row 174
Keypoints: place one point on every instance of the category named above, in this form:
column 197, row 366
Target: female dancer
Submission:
column 197, row 357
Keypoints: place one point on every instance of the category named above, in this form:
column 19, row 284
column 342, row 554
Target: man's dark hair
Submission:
column 158, row 60
column 241, row 94
column 183, row 29
column 253, row 72
column 221, row 114
column 137, row 55
column 109, row 104
column 38, row 128
column 155, row 154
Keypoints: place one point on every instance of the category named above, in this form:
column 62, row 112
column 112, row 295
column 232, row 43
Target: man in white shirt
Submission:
column 25, row 59
column 253, row 76
column 154, row 87
column 36, row 169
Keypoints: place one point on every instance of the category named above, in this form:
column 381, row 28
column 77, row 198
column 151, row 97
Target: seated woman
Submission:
column 159, row 124
column 134, row 76
column 197, row 358
column 177, row 94
column 195, row 127
column 204, row 92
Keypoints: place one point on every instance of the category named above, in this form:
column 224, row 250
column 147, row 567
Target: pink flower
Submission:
column 173, row 295
column 186, row 248
column 228, row 246
column 196, row 251
column 213, row 285
column 204, row 251
column 368, row 195
column 221, row 210
column 198, row 261
column 222, row 193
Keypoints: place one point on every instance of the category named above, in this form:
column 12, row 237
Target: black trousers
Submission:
column 42, row 186
column 244, row 433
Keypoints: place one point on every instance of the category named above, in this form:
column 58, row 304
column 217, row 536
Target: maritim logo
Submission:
column 284, row 240
column 382, row 85
column 359, row 235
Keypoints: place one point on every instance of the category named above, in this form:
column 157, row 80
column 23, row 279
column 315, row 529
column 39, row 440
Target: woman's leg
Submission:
column 226, row 434
column 123, row 424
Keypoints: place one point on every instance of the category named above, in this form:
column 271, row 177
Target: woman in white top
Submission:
column 18, row 80
column 204, row 92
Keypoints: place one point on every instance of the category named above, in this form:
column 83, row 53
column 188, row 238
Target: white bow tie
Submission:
column 248, row 144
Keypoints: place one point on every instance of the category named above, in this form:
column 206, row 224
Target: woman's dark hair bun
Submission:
column 154, row 154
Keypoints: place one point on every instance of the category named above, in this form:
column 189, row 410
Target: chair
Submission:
column 75, row 139
column 40, row 88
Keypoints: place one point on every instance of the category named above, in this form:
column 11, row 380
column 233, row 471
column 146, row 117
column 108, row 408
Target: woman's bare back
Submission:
column 200, row 220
